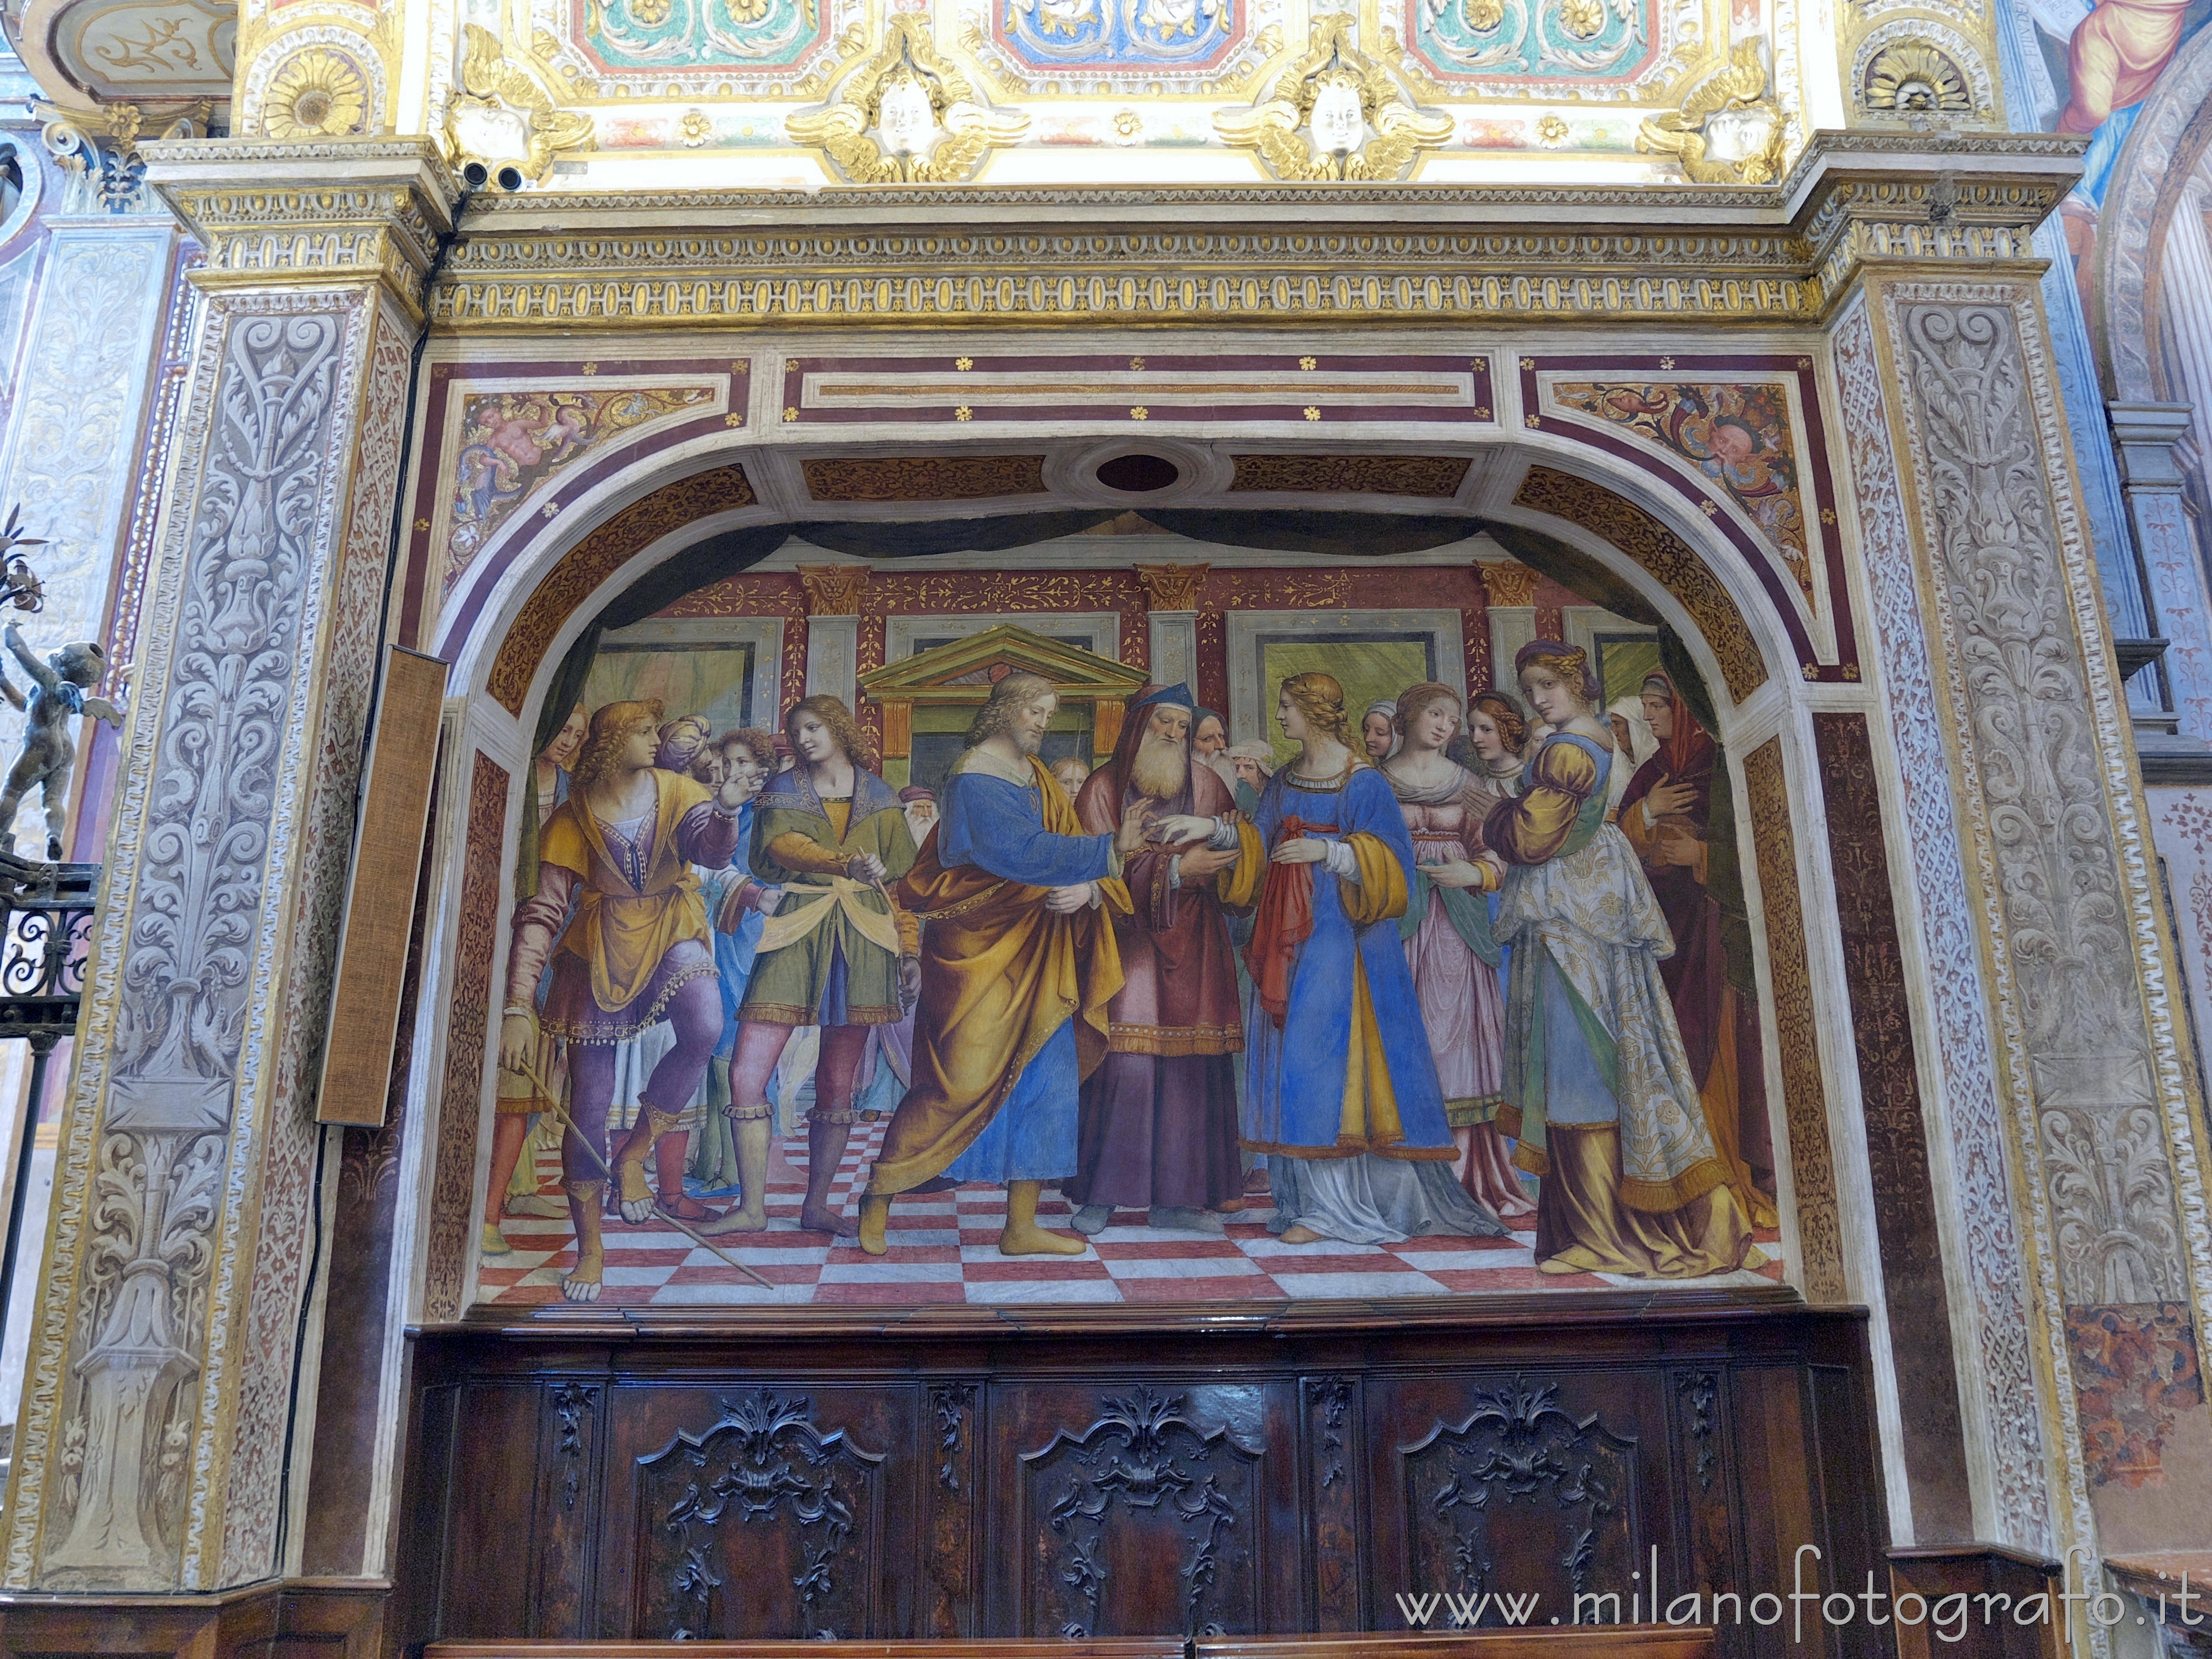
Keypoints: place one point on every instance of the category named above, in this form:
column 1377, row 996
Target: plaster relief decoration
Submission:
column 696, row 49
column 2041, row 813
column 318, row 93
column 1913, row 78
column 908, row 117
column 1335, row 113
column 512, row 441
column 142, row 52
column 504, row 116
column 97, row 152
column 1997, row 1268
column 1738, row 437
column 1129, row 91
column 1729, row 130
column 188, row 1037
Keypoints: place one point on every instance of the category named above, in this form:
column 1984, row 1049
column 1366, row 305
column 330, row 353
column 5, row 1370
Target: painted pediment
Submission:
column 965, row 670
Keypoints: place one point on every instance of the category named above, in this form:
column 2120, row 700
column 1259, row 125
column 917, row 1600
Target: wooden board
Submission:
column 387, row 861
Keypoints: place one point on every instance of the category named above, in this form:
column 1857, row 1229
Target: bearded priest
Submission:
column 1158, row 1131
column 1017, row 970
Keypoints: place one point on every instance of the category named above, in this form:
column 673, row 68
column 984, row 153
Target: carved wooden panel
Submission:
column 1522, row 1495
column 958, row 1482
column 766, row 1524
column 1145, row 1510
column 951, row 1560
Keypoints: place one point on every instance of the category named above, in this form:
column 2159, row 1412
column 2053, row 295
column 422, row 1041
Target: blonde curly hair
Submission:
column 612, row 727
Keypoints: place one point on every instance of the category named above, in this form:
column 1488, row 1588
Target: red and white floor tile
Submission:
column 943, row 1248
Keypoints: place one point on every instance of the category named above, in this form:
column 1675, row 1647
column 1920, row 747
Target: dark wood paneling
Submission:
column 617, row 1478
column 1918, row 1301
column 335, row 1619
column 1141, row 1510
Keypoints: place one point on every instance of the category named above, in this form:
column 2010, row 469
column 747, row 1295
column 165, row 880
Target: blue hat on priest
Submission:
column 1176, row 697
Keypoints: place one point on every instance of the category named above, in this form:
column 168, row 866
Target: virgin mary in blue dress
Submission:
column 1342, row 1091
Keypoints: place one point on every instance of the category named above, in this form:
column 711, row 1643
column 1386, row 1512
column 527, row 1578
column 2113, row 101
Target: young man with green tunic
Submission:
column 836, row 952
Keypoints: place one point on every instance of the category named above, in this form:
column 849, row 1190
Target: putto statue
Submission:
column 58, row 683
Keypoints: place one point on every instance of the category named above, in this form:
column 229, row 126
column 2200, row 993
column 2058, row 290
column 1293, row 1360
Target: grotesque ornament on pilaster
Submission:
column 907, row 117
column 1335, row 113
column 505, row 116
column 1728, row 130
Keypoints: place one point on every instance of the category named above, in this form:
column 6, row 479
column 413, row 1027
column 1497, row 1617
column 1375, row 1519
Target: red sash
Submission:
column 1284, row 923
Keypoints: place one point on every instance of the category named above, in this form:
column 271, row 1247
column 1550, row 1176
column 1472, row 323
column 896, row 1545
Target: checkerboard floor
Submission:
column 943, row 1248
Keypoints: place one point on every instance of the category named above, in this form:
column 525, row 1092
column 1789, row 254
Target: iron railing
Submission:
column 46, row 940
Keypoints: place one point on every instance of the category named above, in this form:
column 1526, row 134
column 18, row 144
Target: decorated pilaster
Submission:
column 2152, row 476
column 1172, row 620
column 833, row 629
column 2061, row 1118
column 163, row 1374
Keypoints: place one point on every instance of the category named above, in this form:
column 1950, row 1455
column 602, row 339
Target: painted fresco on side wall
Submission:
column 2088, row 69
column 1030, row 978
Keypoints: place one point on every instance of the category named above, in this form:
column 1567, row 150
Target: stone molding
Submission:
column 272, row 215
column 276, row 213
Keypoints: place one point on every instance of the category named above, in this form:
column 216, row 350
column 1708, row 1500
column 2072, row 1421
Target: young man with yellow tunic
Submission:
column 836, row 951
column 1018, row 969
column 617, row 914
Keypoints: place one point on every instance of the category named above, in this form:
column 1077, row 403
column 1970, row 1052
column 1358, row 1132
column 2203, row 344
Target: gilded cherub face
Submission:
column 1337, row 123
column 905, row 117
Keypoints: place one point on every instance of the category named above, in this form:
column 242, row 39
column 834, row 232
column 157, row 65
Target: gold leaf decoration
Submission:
column 1914, row 78
column 1728, row 130
column 1335, row 113
column 907, row 117
column 317, row 94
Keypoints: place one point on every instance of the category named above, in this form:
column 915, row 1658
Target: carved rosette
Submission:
column 1923, row 73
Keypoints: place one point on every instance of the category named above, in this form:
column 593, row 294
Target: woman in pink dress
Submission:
column 1446, row 930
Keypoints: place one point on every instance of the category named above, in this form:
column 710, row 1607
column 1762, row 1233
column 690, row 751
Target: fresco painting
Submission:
column 1012, row 979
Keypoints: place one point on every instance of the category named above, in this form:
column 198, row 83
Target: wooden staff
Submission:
column 553, row 1103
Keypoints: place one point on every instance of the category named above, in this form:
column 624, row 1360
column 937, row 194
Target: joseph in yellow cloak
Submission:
column 1018, row 965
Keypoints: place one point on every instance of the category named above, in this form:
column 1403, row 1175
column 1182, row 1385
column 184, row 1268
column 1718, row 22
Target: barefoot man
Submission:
column 1018, row 965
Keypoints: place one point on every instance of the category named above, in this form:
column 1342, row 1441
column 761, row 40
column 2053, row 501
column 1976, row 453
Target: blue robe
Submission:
column 1295, row 1076
column 987, row 821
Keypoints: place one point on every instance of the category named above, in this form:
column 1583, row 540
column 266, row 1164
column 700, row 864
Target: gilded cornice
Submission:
column 974, row 256
column 281, row 214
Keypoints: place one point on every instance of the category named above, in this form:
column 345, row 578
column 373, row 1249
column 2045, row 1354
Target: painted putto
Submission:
column 1047, row 990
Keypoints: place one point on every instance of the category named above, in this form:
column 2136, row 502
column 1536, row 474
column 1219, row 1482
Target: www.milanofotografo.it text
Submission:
column 1807, row 1604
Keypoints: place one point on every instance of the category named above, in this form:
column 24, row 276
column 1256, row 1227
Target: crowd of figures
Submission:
column 1459, row 970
